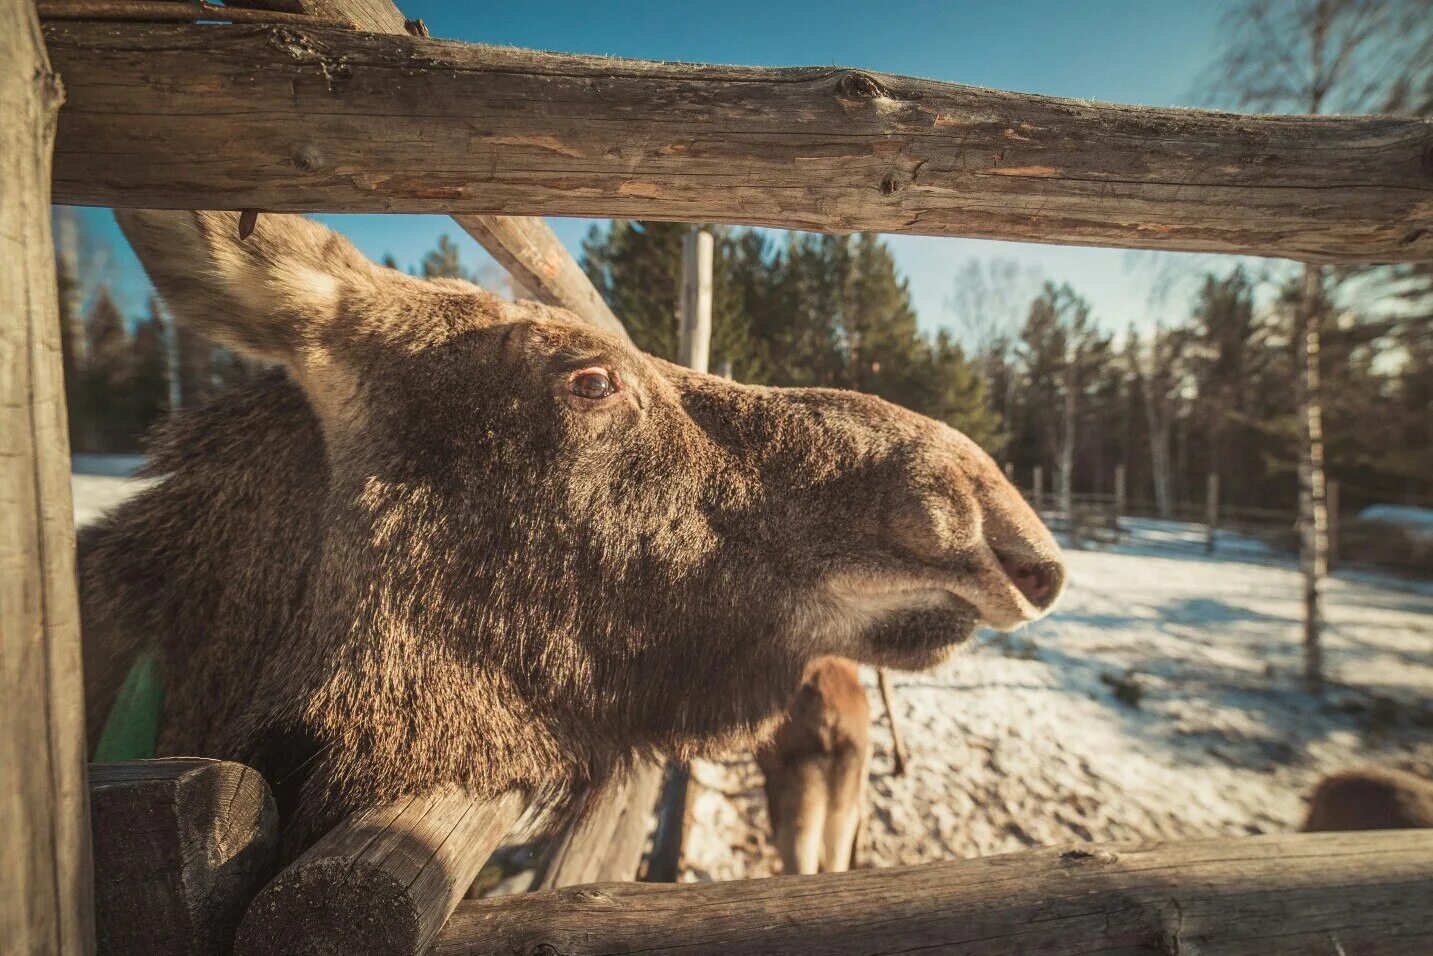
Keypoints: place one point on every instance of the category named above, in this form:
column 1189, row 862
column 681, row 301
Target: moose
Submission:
column 1370, row 798
column 457, row 541
column 814, row 769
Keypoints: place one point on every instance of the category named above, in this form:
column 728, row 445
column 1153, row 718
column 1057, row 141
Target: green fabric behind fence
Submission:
column 132, row 728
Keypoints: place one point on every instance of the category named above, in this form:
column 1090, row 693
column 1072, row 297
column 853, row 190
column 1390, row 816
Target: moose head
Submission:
column 461, row 540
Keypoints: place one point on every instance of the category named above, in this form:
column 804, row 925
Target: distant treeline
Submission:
column 1025, row 369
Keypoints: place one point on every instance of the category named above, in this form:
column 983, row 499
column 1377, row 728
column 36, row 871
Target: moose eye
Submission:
column 592, row 383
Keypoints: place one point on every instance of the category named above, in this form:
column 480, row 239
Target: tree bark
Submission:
column 1313, row 511
column 287, row 119
column 1364, row 893
column 46, row 906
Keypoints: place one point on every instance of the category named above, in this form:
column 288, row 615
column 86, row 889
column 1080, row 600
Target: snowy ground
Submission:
column 1021, row 741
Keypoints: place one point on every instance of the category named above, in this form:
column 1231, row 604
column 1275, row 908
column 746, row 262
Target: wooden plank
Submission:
column 46, row 905
column 170, row 11
column 181, row 847
column 1366, row 893
column 383, row 881
column 302, row 120
column 606, row 844
column 533, row 255
column 525, row 246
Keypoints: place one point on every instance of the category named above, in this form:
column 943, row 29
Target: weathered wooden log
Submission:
column 606, row 844
column 533, row 255
column 1365, row 893
column 46, row 900
column 176, row 11
column 297, row 120
column 181, row 847
column 526, row 247
column 383, row 881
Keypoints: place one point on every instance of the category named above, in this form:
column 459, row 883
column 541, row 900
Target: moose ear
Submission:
column 264, row 295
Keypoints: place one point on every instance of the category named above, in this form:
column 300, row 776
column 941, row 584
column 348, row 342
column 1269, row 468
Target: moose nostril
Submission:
column 1038, row 581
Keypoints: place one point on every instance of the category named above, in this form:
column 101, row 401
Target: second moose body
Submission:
column 461, row 541
column 815, row 769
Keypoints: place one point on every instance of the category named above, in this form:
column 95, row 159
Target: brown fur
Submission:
column 815, row 766
column 412, row 558
column 1371, row 798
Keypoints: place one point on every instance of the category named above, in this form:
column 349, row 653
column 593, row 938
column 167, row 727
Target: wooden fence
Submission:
column 292, row 109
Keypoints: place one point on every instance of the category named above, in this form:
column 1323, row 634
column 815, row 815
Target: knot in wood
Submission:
column 309, row 158
column 891, row 185
column 1078, row 855
column 855, row 85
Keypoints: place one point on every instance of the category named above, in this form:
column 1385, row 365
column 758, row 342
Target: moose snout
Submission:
column 1039, row 581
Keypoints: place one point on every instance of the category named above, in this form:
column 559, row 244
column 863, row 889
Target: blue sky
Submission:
column 1153, row 53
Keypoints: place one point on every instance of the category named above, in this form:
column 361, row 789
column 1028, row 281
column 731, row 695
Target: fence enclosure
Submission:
column 293, row 109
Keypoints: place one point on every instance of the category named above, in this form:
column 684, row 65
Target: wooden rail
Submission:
column 294, row 119
column 524, row 246
column 1364, row 893
column 605, row 845
column 46, row 900
column 181, row 847
column 383, row 881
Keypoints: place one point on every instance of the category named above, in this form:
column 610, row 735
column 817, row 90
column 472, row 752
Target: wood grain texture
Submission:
column 383, row 881
column 300, row 120
column 534, row 256
column 606, row 844
column 181, row 847
column 170, row 11
column 45, row 866
column 1368, row 893
column 525, row 246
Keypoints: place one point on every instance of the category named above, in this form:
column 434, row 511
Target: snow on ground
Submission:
column 101, row 482
column 1021, row 741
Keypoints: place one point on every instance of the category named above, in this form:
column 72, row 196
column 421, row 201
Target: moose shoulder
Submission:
column 460, row 540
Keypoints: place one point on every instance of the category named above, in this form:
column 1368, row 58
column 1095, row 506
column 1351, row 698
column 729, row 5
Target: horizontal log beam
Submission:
column 1366, row 893
column 312, row 120
column 382, row 882
column 526, row 247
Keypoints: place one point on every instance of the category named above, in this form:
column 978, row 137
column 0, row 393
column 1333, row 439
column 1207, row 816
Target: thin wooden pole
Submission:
column 695, row 332
column 47, row 904
column 1331, row 505
column 1211, row 510
column 1121, row 493
column 1038, row 480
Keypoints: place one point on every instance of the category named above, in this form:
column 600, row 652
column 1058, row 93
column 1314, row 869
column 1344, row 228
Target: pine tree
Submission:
column 444, row 263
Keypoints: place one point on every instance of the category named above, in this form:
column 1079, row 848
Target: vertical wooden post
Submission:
column 1331, row 506
column 1010, row 471
column 47, row 903
column 1038, row 495
column 695, row 332
column 1211, row 509
column 1121, row 494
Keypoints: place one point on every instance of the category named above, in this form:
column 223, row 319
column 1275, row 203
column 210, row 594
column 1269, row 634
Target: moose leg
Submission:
column 799, row 802
column 843, row 818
